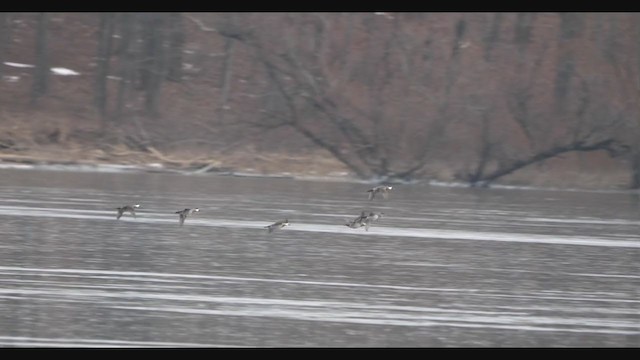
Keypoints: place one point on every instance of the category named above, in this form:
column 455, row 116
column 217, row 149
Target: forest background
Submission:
column 543, row 99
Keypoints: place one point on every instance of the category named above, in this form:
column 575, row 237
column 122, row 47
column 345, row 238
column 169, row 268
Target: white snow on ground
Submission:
column 9, row 78
column 55, row 70
column 64, row 71
column 18, row 65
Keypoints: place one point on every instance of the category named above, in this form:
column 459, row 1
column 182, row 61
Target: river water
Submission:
column 444, row 266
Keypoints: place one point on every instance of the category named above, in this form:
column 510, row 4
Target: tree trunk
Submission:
column 227, row 69
column 176, row 46
column 5, row 39
column 105, row 41
column 635, row 170
column 126, row 64
column 484, row 153
column 492, row 37
column 152, row 64
column 40, row 85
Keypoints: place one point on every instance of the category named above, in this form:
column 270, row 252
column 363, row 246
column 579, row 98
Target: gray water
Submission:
column 445, row 266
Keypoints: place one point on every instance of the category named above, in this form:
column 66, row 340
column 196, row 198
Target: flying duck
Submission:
column 184, row 213
column 372, row 217
column 130, row 208
column 358, row 222
column 364, row 220
column 382, row 189
column 278, row 225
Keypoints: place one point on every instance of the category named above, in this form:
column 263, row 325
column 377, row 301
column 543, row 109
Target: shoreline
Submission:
column 115, row 168
column 309, row 166
column 141, row 162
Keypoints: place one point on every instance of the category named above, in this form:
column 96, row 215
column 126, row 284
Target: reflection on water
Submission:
column 444, row 266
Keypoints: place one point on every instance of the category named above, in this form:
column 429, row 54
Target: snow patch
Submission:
column 18, row 65
column 9, row 78
column 64, row 71
column 55, row 70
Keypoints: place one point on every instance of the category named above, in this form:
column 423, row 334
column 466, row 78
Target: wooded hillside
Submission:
column 472, row 97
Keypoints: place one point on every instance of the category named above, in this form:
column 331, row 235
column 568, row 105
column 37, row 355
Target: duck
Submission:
column 382, row 189
column 365, row 219
column 354, row 224
column 278, row 225
column 184, row 213
column 372, row 217
column 358, row 222
column 130, row 208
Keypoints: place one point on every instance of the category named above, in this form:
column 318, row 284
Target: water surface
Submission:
column 444, row 267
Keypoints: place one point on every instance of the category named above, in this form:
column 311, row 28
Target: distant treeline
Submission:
column 387, row 94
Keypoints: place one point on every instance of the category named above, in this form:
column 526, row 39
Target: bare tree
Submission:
column 580, row 123
column 626, row 72
column 175, row 47
column 152, row 65
column 393, row 95
column 523, row 28
column 40, row 84
column 232, row 32
column 126, row 63
column 492, row 37
column 349, row 113
column 5, row 38
column 105, row 48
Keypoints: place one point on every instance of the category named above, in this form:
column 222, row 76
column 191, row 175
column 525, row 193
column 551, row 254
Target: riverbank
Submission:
column 120, row 158
column 558, row 174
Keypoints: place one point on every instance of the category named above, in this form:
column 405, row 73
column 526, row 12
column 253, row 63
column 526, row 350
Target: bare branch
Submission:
column 200, row 24
column 608, row 145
